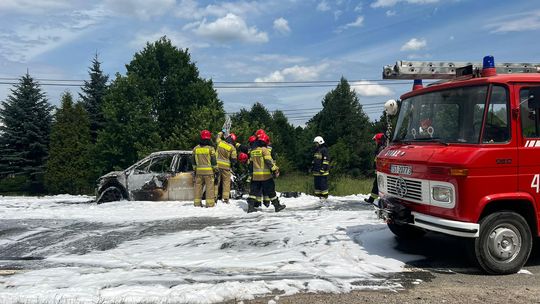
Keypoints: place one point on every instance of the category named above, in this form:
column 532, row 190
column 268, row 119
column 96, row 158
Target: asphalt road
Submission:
column 446, row 275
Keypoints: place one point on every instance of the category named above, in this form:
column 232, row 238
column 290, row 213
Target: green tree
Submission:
column 93, row 93
column 130, row 131
column 161, row 103
column 343, row 123
column 24, row 134
column 68, row 168
column 182, row 102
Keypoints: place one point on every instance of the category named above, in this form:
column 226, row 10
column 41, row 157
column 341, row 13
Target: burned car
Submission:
column 161, row 176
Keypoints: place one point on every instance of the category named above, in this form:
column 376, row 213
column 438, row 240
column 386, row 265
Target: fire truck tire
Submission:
column 504, row 243
column 406, row 231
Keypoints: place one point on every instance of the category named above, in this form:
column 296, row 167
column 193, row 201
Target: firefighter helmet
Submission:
column 379, row 137
column 319, row 140
column 259, row 133
column 233, row 137
column 264, row 138
column 205, row 134
column 252, row 139
column 243, row 157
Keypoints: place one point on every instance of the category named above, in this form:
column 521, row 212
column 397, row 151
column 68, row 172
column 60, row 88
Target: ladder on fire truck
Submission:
column 450, row 70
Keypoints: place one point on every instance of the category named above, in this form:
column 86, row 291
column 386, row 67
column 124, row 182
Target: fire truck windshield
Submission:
column 448, row 116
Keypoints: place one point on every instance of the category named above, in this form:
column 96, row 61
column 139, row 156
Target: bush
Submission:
column 15, row 184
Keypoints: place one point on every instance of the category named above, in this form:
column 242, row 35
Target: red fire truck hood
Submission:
column 420, row 156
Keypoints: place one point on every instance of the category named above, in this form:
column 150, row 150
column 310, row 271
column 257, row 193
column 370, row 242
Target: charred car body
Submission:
column 161, row 176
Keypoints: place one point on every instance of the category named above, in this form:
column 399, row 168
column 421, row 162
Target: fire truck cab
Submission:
column 464, row 158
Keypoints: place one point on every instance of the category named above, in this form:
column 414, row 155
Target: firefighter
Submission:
column 226, row 159
column 205, row 167
column 380, row 141
column 320, row 167
column 262, row 169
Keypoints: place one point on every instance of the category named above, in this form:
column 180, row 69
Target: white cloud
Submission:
column 390, row 13
column 356, row 23
column 516, row 23
column 337, row 14
column 281, row 59
column 323, row 6
column 282, row 26
column 390, row 3
column 414, row 45
column 190, row 9
column 143, row 9
column 368, row 88
column 177, row 38
column 295, row 73
column 32, row 6
column 31, row 38
column 358, row 8
column 230, row 28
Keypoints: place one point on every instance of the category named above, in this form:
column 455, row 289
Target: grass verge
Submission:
column 338, row 185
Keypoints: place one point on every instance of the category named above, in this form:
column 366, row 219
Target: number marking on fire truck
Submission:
column 535, row 184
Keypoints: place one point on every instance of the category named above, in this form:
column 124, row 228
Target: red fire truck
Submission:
column 464, row 158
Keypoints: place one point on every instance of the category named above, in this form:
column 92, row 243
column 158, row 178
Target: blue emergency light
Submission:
column 488, row 66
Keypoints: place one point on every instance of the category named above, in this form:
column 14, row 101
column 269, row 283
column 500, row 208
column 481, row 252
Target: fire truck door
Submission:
column 529, row 146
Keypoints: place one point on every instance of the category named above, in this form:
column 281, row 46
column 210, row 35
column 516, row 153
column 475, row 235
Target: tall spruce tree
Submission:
column 346, row 129
column 24, row 135
column 93, row 93
column 68, row 168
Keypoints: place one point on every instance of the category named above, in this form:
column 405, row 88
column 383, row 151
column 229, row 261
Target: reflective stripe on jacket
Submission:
column 204, row 160
column 262, row 164
column 321, row 162
column 225, row 152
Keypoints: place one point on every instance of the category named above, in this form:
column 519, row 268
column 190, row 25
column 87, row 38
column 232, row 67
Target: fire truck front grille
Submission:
column 404, row 188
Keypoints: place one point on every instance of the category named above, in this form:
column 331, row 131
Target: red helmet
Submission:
column 264, row 138
column 243, row 157
column 259, row 133
column 252, row 139
column 233, row 137
column 205, row 134
column 379, row 137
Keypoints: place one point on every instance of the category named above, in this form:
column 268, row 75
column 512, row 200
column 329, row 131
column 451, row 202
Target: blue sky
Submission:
column 260, row 41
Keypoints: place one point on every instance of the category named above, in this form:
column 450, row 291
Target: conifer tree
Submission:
column 68, row 168
column 92, row 95
column 346, row 129
column 24, row 134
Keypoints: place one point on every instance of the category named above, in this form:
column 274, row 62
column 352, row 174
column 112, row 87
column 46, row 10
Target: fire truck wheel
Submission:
column 406, row 231
column 504, row 243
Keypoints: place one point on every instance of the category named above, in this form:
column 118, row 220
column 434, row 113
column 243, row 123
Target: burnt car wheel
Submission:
column 504, row 243
column 110, row 194
column 406, row 231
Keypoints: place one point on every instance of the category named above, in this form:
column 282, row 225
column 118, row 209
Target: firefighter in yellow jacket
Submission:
column 226, row 158
column 262, row 171
column 205, row 167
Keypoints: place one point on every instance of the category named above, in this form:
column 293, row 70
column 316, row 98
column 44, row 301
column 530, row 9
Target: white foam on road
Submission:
column 308, row 247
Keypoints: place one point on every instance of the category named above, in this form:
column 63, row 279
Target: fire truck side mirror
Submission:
column 534, row 98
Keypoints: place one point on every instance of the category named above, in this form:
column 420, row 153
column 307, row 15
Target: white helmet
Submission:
column 391, row 107
column 318, row 140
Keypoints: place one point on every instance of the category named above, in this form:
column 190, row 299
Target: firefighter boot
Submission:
column 251, row 206
column 277, row 205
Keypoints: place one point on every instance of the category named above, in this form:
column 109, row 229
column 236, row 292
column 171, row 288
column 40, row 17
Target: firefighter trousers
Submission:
column 225, row 178
column 208, row 181
column 260, row 189
column 321, row 185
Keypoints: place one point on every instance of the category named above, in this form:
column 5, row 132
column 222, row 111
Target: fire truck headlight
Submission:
column 380, row 182
column 442, row 194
